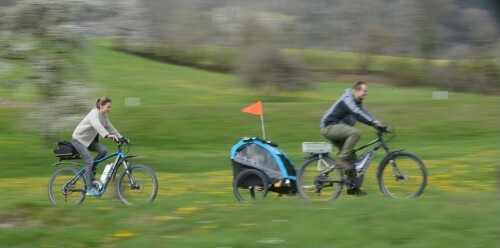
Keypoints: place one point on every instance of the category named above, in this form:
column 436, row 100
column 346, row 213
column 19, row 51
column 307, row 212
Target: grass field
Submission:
column 184, row 128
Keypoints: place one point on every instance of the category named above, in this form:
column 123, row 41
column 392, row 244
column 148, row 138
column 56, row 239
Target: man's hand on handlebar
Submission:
column 383, row 128
column 376, row 124
column 379, row 126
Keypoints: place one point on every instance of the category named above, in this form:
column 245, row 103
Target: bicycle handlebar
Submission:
column 122, row 141
column 383, row 128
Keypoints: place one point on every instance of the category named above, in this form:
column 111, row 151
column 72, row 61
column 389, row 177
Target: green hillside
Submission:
column 184, row 128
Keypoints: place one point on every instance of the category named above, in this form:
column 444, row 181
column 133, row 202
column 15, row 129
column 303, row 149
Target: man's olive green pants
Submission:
column 344, row 137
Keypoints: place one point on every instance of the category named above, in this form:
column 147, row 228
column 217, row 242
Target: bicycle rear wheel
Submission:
column 137, row 187
column 66, row 188
column 314, row 184
column 402, row 175
column 250, row 185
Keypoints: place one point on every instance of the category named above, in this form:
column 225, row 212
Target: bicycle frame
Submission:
column 379, row 140
column 121, row 157
column 381, row 144
column 395, row 171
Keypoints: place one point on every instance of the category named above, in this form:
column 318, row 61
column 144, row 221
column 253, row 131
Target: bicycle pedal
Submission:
column 350, row 184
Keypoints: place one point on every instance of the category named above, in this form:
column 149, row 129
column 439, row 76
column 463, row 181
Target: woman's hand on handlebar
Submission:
column 124, row 140
column 112, row 137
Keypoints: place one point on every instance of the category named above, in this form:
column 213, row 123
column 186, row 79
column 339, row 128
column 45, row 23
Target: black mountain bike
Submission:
column 400, row 174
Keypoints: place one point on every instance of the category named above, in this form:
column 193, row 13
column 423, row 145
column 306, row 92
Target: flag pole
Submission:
column 256, row 109
column 263, row 129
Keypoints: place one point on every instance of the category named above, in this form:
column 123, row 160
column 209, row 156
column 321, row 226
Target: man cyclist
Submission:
column 337, row 125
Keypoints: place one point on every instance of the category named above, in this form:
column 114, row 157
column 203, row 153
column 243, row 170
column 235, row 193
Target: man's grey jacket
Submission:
column 346, row 110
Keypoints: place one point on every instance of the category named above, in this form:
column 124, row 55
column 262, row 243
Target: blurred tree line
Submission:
column 43, row 37
column 464, row 31
column 425, row 28
column 251, row 38
column 256, row 32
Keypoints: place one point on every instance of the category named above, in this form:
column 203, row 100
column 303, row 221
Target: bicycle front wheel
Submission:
column 137, row 185
column 402, row 175
column 66, row 187
column 314, row 182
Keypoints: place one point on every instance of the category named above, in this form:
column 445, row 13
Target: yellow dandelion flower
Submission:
column 188, row 209
column 165, row 218
column 125, row 234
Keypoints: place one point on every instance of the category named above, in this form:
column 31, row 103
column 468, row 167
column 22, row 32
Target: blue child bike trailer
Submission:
column 266, row 157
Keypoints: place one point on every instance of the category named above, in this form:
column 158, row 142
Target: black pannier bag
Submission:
column 65, row 150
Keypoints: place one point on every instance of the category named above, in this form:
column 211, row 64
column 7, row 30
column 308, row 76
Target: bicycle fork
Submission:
column 397, row 173
column 134, row 185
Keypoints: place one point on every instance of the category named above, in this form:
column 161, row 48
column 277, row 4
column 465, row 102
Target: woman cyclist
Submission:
column 86, row 138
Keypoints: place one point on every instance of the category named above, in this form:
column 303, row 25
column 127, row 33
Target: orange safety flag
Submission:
column 255, row 109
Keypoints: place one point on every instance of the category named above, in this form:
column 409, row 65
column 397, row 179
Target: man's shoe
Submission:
column 93, row 192
column 356, row 192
